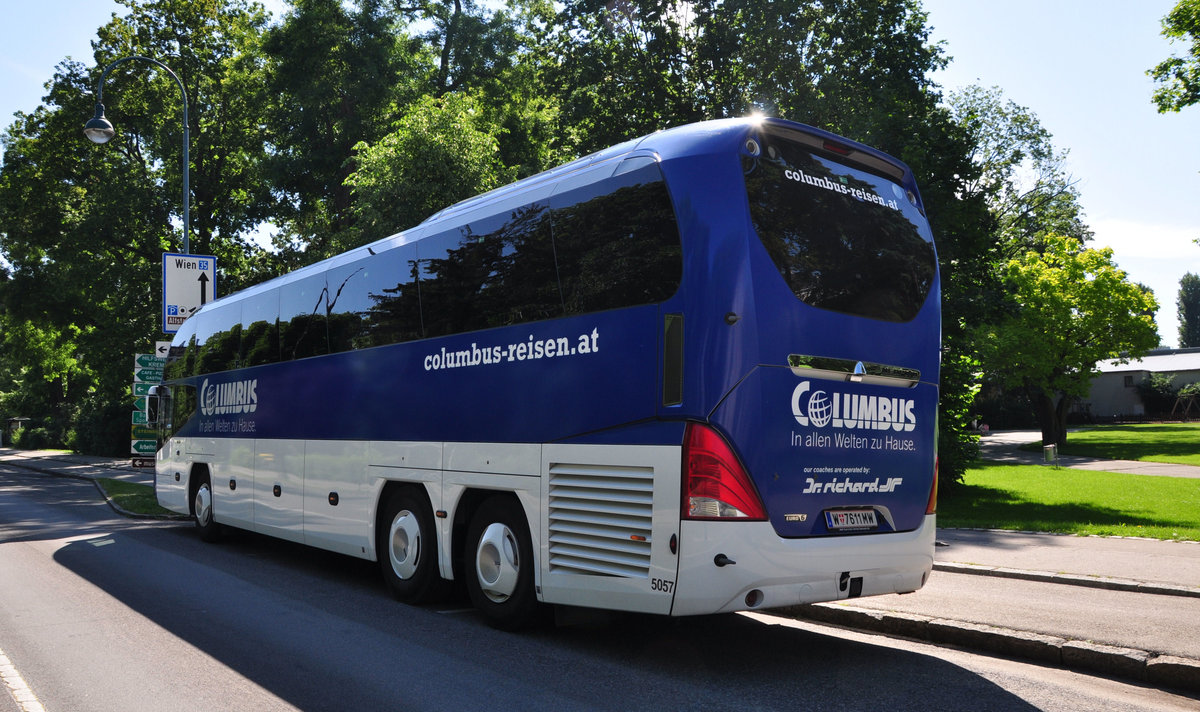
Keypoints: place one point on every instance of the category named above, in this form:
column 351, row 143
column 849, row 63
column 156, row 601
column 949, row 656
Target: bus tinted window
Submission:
column 521, row 283
column 451, row 272
column 498, row 270
column 843, row 239
column 302, row 318
column 392, row 308
column 347, row 304
column 218, row 338
column 616, row 241
column 260, row 329
column 181, row 359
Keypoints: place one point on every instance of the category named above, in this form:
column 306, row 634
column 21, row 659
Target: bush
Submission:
column 103, row 429
column 1157, row 393
column 38, row 438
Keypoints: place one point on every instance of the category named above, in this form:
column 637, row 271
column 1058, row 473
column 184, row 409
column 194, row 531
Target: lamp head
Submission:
column 99, row 129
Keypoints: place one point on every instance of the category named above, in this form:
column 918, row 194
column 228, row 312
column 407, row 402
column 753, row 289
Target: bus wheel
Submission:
column 407, row 549
column 202, row 511
column 500, row 564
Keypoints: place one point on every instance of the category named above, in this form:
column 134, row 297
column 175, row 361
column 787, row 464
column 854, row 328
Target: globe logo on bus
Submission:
column 208, row 398
column 820, row 409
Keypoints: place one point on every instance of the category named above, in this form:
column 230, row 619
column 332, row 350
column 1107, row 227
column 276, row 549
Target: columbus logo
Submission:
column 850, row 411
column 227, row 398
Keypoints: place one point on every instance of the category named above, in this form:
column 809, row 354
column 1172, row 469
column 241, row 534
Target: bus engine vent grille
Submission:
column 600, row 519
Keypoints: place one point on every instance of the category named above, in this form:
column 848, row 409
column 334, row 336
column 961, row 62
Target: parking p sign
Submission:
column 189, row 282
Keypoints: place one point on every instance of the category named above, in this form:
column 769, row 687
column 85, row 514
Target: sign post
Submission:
column 143, row 440
column 189, row 282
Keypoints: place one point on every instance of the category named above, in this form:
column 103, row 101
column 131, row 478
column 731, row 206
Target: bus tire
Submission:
column 407, row 546
column 500, row 564
column 202, row 511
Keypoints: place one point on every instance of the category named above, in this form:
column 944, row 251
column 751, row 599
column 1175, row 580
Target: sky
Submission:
column 1079, row 65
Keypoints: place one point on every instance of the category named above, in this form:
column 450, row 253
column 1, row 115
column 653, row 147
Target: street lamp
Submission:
column 99, row 130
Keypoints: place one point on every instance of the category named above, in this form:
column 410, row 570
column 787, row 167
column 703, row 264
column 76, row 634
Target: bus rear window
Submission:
column 843, row 239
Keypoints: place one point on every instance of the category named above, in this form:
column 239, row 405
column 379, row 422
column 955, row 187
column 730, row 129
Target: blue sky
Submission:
column 1078, row 64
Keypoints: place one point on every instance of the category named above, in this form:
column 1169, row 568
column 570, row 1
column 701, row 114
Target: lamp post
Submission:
column 99, row 129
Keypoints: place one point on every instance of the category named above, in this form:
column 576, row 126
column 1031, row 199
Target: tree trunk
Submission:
column 1052, row 417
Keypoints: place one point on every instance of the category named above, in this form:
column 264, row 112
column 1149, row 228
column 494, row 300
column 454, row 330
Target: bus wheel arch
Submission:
column 406, row 544
column 200, row 497
column 499, row 563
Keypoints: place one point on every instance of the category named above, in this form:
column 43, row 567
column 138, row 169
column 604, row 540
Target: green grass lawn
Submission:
column 132, row 496
column 1157, row 442
column 1046, row 499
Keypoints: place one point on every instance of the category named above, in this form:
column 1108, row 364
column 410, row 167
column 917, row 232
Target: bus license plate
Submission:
column 851, row 519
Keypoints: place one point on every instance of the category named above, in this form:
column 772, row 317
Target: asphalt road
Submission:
column 102, row 613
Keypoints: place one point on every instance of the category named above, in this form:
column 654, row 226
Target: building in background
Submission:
column 1115, row 395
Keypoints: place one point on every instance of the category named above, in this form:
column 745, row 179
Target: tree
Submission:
column 441, row 152
column 1071, row 308
column 83, row 226
column 1189, row 311
column 1021, row 174
column 1178, row 78
column 336, row 74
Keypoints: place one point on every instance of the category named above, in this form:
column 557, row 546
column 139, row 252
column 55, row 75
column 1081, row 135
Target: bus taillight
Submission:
column 715, row 485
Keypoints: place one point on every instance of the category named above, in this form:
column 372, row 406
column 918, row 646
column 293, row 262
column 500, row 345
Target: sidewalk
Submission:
column 1004, row 446
column 86, row 467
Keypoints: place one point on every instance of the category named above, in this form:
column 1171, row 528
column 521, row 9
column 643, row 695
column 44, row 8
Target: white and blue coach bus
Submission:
column 692, row 373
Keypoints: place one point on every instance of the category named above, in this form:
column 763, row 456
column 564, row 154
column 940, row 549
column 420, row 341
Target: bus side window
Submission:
column 345, row 305
column 617, row 241
column 178, row 409
column 260, row 329
column 218, row 338
column 179, row 365
column 389, row 301
column 518, row 281
column 302, row 318
column 450, row 273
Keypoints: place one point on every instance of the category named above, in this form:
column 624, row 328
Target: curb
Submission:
column 1168, row 671
column 135, row 515
column 1110, row 584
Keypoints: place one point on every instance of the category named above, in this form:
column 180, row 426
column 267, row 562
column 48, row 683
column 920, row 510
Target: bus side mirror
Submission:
column 152, row 404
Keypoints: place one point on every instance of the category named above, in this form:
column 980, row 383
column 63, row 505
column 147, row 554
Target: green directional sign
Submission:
column 143, row 447
column 142, row 389
column 142, row 432
column 139, row 403
column 149, row 361
column 139, row 417
column 148, row 375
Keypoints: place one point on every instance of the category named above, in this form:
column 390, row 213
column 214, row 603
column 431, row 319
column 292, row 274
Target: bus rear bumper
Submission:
column 770, row 572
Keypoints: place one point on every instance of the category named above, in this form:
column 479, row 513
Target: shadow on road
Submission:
column 318, row 631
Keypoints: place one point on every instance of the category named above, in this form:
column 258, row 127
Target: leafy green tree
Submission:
column 620, row 69
column 1189, row 311
column 83, row 226
column 1071, row 308
column 1178, row 78
column 439, row 153
column 336, row 73
column 1021, row 174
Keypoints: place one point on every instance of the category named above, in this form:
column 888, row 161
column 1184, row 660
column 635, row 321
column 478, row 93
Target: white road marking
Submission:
column 17, row 687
